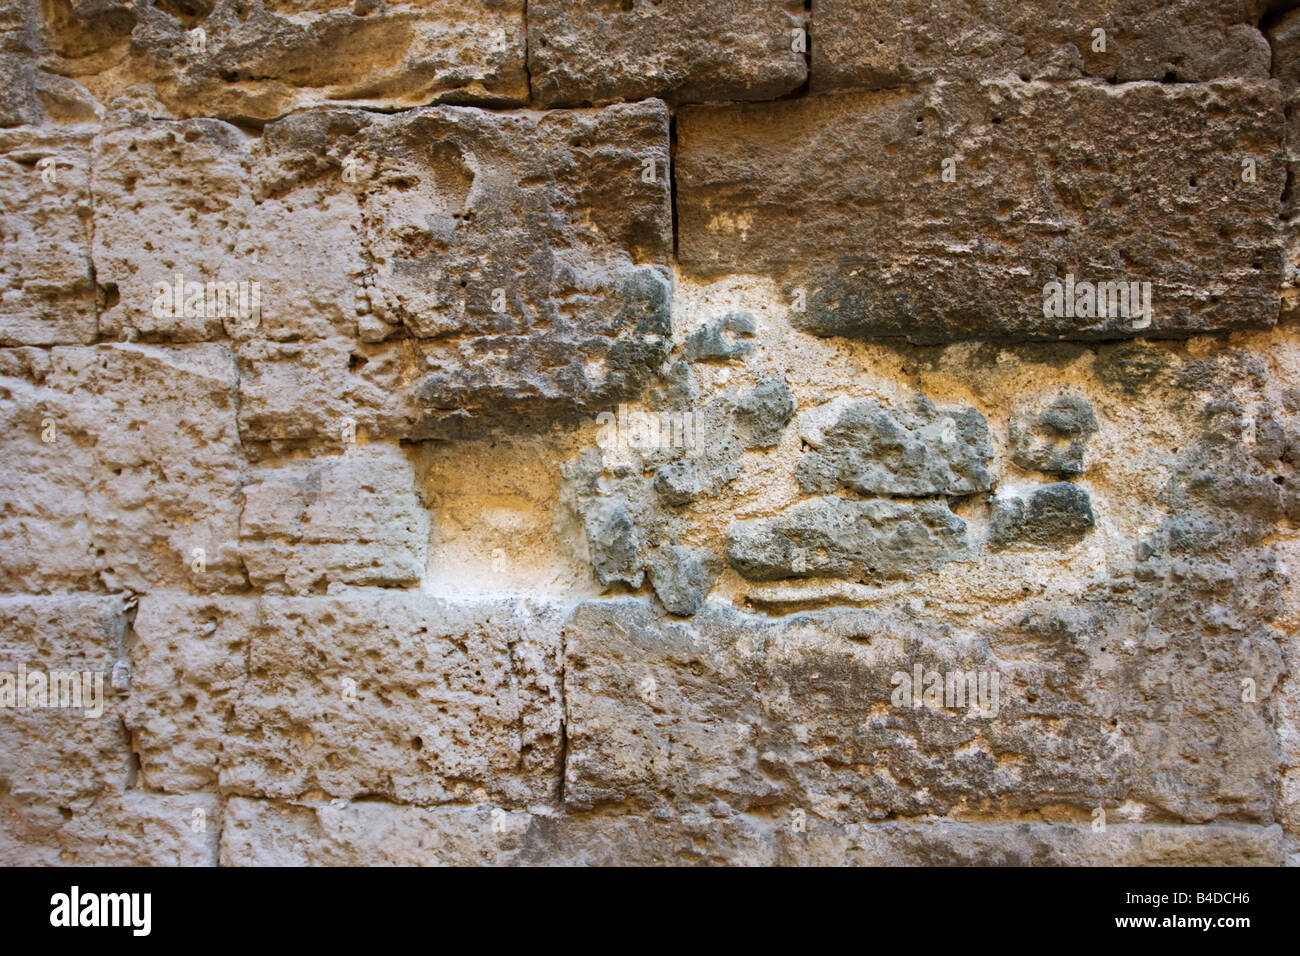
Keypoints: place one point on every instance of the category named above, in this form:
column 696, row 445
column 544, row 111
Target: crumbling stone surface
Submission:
column 1056, row 514
column 883, row 43
column 264, row 833
column 649, row 432
column 581, row 53
column 683, row 576
column 833, row 537
column 1054, row 440
column 262, row 61
column 47, row 287
column 528, row 280
column 915, row 452
column 753, row 713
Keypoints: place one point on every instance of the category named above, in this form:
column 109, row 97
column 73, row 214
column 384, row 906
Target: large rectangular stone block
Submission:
column 855, row 716
column 284, row 55
column 400, row 696
column 883, row 43
column 580, row 52
column 265, row 833
column 47, row 294
column 124, row 459
column 356, row 519
column 516, row 261
column 62, row 743
column 946, row 213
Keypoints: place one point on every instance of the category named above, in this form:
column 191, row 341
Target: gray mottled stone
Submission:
column 763, row 412
column 836, row 537
column 710, row 343
column 1058, row 514
column 1054, row 439
column 682, row 577
column 844, row 198
column 915, row 451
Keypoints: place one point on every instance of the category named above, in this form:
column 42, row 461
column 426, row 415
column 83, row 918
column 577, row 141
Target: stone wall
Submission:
column 618, row 431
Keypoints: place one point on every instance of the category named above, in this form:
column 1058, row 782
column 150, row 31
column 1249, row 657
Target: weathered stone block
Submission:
column 947, row 213
column 284, row 55
column 1058, row 514
column 52, row 754
column 120, row 828
column 914, row 451
column 47, row 294
column 398, row 695
column 262, row 833
column 189, row 661
column 839, row 538
column 356, row 519
column 763, row 412
column 682, row 576
column 884, row 43
column 124, row 460
column 823, row 711
column 581, row 52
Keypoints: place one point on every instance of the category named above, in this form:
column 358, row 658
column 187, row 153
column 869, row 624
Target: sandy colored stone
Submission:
column 356, row 519
column 141, row 468
column 130, row 828
column 255, row 64
column 264, row 833
column 62, row 756
column 581, row 52
column 47, row 294
column 399, row 696
column 884, row 43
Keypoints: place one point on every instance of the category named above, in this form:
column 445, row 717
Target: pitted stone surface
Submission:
column 843, row 200
column 916, row 451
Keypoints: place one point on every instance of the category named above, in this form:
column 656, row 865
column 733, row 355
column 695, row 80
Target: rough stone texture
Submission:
column 682, row 577
column 798, row 713
column 832, row 537
column 141, row 468
column 267, row 834
column 914, row 452
column 524, row 282
column 843, row 197
column 884, row 43
column 580, row 52
column 355, row 520
column 265, row 60
column 1058, row 514
column 610, row 433
column 47, row 290
column 120, row 829
column 449, row 699
column 61, row 757
column 1054, row 440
